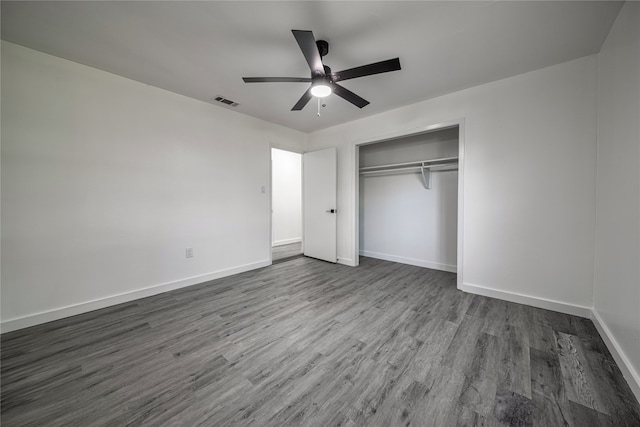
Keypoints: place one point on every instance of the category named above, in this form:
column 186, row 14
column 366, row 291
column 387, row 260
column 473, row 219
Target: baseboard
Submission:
column 410, row 261
column 562, row 307
column 286, row 241
column 629, row 373
column 85, row 307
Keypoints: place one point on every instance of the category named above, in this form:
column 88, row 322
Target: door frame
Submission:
column 355, row 188
column 300, row 151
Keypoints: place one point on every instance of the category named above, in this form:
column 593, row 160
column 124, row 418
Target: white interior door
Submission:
column 319, row 194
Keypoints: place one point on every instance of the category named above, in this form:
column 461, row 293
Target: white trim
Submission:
column 548, row 304
column 347, row 261
column 85, row 307
column 287, row 241
column 629, row 373
column 461, row 171
column 397, row 134
column 410, row 261
column 270, row 207
column 355, row 202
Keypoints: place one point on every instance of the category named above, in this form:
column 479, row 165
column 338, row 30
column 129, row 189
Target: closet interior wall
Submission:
column 400, row 219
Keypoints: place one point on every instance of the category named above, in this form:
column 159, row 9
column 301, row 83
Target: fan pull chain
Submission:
column 323, row 105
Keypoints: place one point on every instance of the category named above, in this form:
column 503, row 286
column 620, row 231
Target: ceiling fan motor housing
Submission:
column 323, row 47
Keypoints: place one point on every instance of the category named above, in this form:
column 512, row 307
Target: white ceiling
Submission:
column 202, row 49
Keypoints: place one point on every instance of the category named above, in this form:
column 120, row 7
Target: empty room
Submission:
column 355, row 213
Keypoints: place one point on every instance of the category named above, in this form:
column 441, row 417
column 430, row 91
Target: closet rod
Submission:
column 417, row 163
column 441, row 168
column 422, row 168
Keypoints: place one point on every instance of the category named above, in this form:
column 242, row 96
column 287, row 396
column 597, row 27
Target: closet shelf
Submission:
column 444, row 160
column 425, row 167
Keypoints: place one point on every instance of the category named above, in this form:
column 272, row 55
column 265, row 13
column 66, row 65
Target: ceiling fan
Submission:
column 323, row 81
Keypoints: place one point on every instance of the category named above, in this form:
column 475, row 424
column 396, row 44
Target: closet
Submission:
column 408, row 199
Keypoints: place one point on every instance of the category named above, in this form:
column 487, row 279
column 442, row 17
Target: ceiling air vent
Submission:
column 224, row 100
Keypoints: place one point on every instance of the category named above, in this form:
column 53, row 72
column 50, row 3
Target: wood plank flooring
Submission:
column 286, row 252
column 306, row 342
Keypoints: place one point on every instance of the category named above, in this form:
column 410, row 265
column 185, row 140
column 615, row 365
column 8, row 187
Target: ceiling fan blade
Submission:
column 349, row 96
column 304, row 100
column 367, row 70
column 307, row 44
column 276, row 80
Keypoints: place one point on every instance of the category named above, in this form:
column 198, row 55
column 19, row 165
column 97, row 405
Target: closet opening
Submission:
column 408, row 190
column 286, row 205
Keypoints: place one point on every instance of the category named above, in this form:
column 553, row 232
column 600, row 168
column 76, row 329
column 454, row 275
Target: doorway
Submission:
column 286, row 205
column 408, row 197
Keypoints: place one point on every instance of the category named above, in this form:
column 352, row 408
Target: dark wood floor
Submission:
column 306, row 342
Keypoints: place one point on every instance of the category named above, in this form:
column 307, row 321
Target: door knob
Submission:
column 331, row 211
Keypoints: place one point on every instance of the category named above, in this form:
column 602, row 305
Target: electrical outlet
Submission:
column 189, row 252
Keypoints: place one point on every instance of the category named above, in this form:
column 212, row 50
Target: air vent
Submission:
column 224, row 100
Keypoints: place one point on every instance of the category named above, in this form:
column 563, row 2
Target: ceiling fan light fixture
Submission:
column 321, row 88
column 323, row 81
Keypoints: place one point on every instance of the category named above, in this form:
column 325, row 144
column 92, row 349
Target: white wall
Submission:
column 286, row 188
column 529, row 181
column 106, row 182
column 617, row 263
column 401, row 220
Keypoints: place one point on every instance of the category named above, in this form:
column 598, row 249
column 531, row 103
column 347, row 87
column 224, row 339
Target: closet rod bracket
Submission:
column 426, row 176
